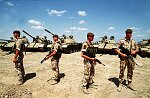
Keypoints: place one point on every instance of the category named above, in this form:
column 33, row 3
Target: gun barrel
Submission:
column 51, row 33
column 7, row 40
column 43, row 60
column 28, row 34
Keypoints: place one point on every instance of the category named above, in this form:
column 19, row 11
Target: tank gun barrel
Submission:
column 7, row 40
column 51, row 33
column 29, row 34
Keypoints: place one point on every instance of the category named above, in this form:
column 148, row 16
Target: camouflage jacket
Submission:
column 19, row 45
column 128, row 44
column 56, row 46
column 88, row 50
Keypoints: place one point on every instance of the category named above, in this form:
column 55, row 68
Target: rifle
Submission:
column 98, row 61
column 45, row 58
column 128, row 53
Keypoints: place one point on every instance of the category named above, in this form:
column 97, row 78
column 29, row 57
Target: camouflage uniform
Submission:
column 56, row 46
column 89, row 70
column 19, row 64
column 130, row 45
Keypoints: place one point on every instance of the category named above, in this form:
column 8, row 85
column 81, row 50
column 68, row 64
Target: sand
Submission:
column 71, row 69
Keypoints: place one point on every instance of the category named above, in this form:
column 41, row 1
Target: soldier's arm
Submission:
column 17, row 50
column 83, row 50
column 86, row 57
column 52, row 54
column 133, row 52
column 56, row 47
column 122, row 54
column 16, row 55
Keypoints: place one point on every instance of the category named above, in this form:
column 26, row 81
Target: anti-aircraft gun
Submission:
column 68, row 43
column 38, row 44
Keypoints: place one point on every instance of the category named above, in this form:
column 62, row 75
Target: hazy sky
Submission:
column 76, row 17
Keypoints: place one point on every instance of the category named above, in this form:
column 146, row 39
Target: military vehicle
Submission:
column 144, row 48
column 8, row 45
column 38, row 45
column 106, row 46
column 69, row 45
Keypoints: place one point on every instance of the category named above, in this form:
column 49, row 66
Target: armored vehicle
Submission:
column 38, row 45
column 144, row 48
column 8, row 45
column 107, row 46
column 69, row 45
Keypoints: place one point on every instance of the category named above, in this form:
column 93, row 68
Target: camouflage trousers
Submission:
column 55, row 68
column 130, row 67
column 19, row 68
column 89, row 72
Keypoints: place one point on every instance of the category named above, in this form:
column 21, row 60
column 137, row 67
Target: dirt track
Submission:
column 71, row 69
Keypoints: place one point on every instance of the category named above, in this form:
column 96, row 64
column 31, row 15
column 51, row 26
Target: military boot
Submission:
column 130, row 86
column 20, row 80
column 119, row 87
column 54, row 81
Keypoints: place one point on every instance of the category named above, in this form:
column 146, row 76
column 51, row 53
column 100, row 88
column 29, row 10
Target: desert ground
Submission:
column 71, row 70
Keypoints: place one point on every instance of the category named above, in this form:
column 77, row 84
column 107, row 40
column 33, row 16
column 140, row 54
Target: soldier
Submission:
column 56, row 55
column 89, row 61
column 18, row 58
column 129, row 44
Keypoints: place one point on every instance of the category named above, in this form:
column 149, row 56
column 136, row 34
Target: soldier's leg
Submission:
column 86, row 77
column 130, row 74
column 122, row 69
column 55, row 68
column 20, row 72
column 121, row 74
column 129, row 71
column 92, row 73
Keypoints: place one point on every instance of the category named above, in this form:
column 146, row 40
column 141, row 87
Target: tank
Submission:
column 8, row 45
column 107, row 46
column 38, row 44
column 144, row 48
column 69, row 45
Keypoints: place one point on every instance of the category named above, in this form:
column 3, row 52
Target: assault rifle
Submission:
column 93, row 56
column 128, row 53
column 98, row 61
column 45, row 58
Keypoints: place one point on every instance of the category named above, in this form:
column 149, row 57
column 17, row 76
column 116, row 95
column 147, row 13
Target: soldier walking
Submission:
column 129, row 44
column 56, row 55
column 18, row 57
column 89, row 61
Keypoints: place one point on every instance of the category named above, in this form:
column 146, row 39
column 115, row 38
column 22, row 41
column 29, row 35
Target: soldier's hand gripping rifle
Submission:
column 92, row 56
column 45, row 58
column 128, row 53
